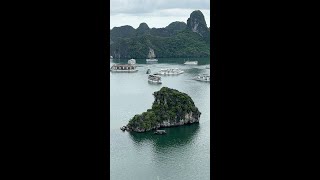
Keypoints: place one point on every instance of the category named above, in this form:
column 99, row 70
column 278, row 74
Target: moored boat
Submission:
column 170, row 71
column 152, row 60
column 148, row 71
column 190, row 63
column 154, row 79
column 131, row 61
column 123, row 128
column 202, row 77
column 123, row 68
column 160, row 132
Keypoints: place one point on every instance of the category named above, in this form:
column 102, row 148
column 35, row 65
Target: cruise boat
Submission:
column 151, row 56
column 132, row 61
column 123, row 68
column 190, row 63
column 170, row 71
column 202, row 77
column 154, row 79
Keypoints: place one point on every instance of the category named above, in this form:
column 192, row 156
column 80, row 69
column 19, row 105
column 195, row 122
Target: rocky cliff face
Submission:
column 197, row 23
column 170, row 108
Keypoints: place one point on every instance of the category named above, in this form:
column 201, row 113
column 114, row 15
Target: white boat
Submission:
column 151, row 56
column 202, row 77
column 154, row 79
column 170, row 71
column 123, row 68
column 160, row 132
column 152, row 60
column 191, row 63
column 132, row 61
column 111, row 57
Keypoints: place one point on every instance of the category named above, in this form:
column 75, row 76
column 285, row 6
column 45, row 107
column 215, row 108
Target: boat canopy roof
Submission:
column 123, row 65
column 153, row 75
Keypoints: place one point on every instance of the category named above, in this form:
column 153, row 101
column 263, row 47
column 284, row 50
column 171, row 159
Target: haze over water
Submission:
column 184, row 152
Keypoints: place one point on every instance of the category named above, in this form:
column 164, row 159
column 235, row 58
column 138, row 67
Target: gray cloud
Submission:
column 156, row 13
column 148, row 6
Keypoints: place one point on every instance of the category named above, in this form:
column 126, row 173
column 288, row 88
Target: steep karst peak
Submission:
column 143, row 26
column 197, row 23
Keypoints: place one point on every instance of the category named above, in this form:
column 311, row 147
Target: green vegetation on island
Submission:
column 176, row 40
column 170, row 108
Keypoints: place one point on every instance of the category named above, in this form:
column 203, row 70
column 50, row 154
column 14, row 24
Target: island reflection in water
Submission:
column 175, row 137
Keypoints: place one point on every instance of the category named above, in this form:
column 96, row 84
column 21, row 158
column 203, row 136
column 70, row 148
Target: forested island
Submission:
column 170, row 108
column 178, row 39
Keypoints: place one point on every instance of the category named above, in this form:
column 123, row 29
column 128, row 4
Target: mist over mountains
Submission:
column 178, row 39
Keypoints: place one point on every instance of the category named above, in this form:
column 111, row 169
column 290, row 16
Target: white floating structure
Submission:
column 202, row 77
column 191, row 63
column 172, row 71
column 132, row 61
column 123, row 68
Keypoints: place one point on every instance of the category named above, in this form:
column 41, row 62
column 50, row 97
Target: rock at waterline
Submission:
column 170, row 108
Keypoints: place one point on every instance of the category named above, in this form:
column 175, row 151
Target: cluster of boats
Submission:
column 155, row 78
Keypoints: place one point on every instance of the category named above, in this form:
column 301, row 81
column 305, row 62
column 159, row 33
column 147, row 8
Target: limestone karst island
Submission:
column 170, row 108
column 177, row 40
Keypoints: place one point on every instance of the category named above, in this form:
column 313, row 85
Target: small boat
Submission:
column 123, row 128
column 132, row 61
column 190, row 63
column 152, row 60
column 151, row 56
column 154, row 79
column 111, row 57
column 170, row 71
column 160, row 132
column 148, row 71
column 123, row 68
column 202, row 77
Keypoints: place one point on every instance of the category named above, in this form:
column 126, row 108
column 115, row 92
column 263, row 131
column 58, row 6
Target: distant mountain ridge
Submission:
column 178, row 39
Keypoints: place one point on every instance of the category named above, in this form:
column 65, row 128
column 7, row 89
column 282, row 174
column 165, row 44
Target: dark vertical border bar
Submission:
column 213, row 118
column 105, row 81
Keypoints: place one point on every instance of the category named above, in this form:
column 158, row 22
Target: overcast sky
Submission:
column 156, row 13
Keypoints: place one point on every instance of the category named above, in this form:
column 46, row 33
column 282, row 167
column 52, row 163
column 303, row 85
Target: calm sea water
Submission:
column 184, row 152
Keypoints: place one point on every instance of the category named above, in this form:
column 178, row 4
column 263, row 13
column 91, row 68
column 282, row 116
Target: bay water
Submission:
column 184, row 152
